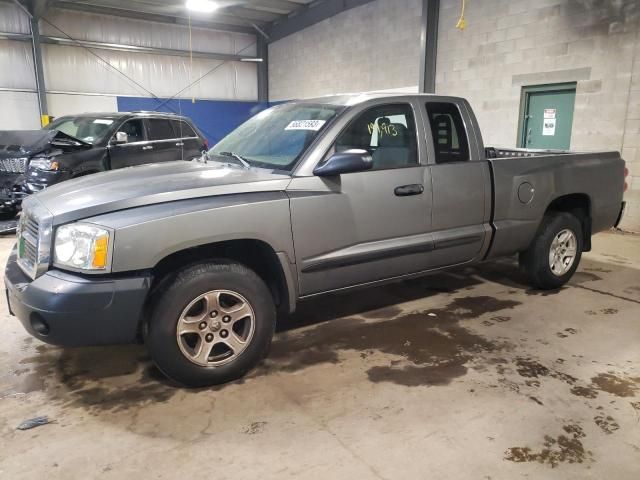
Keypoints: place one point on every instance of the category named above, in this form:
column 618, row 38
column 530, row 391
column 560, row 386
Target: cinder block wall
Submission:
column 372, row 47
column 509, row 44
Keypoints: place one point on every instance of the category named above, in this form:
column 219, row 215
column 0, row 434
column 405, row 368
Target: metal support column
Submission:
column 429, row 45
column 263, row 69
column 37, row 65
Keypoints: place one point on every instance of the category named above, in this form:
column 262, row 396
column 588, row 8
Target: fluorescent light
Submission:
column 206, row 6
column 256, row 60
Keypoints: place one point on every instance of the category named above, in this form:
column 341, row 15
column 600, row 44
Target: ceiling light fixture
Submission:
column 256, row 60
column 204, row 6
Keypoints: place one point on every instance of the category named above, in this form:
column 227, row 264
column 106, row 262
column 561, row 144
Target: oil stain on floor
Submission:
column 616, row 384
column 565, row 448
column 76, row 378
column 432, row 348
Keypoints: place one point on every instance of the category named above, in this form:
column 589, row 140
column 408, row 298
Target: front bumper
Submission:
column 15, row 187
column 11, row 191
column 72, row 310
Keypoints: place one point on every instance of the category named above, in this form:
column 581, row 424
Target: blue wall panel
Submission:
column 215, row 118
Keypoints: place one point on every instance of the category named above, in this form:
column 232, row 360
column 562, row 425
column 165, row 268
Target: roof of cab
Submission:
column 347, row 99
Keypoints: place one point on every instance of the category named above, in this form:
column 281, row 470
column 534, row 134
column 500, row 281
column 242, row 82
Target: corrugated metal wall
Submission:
column 74, row 70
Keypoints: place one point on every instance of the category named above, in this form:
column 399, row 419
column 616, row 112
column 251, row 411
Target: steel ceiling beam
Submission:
column 40, row 7
column 429, row 45
column 120, row 12
column 310, row 15
column 41, row 89
column 281, row 6
column 263, row 69
column 252, row 14
column 124, row 48
column 174, row 9
column 22, row 7
column 33, row 8
column 21, row 37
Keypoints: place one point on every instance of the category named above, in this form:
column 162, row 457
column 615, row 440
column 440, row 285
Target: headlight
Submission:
column 44, row 163
column 82, row 246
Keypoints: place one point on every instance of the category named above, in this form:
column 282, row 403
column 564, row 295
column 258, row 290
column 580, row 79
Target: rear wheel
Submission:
column 555, row 253
column 211, row 324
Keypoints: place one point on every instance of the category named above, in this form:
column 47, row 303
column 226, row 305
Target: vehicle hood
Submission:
column 150, row 184
column 26, row 143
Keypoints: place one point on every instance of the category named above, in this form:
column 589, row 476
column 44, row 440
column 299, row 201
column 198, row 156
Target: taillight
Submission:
column 206, row 146
column 626, row 174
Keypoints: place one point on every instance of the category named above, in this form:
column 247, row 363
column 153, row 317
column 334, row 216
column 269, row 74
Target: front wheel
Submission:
column 555, row 253
column 211, row 324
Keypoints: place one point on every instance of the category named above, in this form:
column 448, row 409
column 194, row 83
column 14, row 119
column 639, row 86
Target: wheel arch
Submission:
column 255, row 254
column 578, row 204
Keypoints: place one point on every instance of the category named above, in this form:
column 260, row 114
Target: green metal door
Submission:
column 547, row 116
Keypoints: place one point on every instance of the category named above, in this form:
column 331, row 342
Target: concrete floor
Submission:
column 460, row 375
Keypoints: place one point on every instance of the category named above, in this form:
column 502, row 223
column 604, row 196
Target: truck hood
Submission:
column 149, row 184
column 26, row 143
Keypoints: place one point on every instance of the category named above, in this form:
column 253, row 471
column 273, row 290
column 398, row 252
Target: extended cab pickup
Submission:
column 309, row 197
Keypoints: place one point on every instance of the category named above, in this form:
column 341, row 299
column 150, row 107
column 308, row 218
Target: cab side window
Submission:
column 160, row 129
column 387, row 132
column 133, row 129
column 449, row 135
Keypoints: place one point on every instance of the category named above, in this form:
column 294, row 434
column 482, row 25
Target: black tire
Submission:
column 535, row 260
column 170, row 302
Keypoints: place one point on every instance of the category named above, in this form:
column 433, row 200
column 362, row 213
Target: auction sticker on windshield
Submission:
column 314, row 125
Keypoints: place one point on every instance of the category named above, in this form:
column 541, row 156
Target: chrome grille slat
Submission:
column 13, row 165
column 31, row 226
column 29, row 230
column 32, row 251
column 34, row 238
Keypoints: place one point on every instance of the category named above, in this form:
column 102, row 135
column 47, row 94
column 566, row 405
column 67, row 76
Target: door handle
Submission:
column 147, row 147
column 406, row 190
column 179, row 144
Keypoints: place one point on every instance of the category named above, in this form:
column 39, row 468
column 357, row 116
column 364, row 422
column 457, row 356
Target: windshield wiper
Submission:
column 244, row 163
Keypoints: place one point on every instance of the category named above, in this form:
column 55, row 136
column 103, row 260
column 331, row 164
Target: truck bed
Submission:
column 527, row 182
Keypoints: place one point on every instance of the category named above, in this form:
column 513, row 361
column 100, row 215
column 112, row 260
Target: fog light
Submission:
column 39, row 325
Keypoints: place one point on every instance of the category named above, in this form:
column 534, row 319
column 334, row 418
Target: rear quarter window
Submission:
column 183, row 129
column 160, row 129
column 448, row 132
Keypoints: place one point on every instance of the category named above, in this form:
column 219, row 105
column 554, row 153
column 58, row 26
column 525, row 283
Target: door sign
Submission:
column 549, row 122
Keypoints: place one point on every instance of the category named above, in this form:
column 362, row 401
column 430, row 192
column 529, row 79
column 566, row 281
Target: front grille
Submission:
column 13, row 165
column 34, row 238
column 31, row 226
column 28, row 239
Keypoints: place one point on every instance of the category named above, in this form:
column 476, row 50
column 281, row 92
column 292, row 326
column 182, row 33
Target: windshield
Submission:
column 88, row 129
column 275, row 138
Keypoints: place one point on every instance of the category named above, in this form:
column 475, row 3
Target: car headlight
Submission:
column 82, row 246
column 47, row 164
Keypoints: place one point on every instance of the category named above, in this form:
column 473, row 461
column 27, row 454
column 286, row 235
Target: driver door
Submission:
column 361, row 227
column 135, row 151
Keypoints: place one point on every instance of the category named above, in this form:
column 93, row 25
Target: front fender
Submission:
column 146, row 235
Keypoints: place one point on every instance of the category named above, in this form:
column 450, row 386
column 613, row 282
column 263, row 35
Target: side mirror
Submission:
column 349, row 161
column 121, row 137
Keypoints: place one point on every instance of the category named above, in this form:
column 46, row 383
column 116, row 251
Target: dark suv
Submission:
column 78, row 145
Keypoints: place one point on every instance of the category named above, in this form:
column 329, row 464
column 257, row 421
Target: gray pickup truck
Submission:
column 197, row 259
